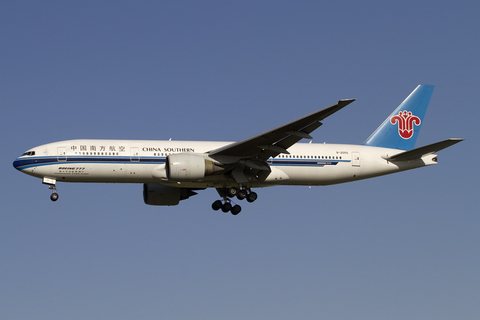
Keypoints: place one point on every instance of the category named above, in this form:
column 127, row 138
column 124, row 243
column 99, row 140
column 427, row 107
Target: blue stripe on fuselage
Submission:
column 25, row 163
column 306, row 163
column 29, row 162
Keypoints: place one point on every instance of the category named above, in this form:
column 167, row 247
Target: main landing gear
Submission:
column 227, row 193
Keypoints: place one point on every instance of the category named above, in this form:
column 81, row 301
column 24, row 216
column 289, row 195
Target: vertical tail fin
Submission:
column 400, row 130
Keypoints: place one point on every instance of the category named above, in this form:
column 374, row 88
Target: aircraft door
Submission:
column 61, row 154
column 356, row 159
column 134, row 155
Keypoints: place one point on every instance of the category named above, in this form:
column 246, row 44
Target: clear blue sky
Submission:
column 403, row 246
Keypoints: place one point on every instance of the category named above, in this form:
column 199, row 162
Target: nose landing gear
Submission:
column 54, row 195
column 52, row 186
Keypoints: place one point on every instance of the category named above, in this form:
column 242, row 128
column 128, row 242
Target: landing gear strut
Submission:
column 227, row 193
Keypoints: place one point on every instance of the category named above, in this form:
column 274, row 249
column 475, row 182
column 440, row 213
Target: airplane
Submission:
column 171, row 171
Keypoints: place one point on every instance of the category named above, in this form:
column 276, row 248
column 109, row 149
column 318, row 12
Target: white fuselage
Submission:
column 134, row 161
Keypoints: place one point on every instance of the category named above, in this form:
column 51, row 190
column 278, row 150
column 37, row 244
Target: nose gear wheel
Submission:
column 54, row 195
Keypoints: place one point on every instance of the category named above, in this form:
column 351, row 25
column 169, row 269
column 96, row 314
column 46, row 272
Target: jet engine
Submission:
column 160, row 195
column 189, row 167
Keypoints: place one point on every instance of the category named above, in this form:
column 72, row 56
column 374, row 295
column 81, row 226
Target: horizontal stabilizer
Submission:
column 423, row 151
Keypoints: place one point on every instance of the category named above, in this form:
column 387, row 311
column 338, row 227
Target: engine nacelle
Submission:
column 160, row 195
column 189, row 167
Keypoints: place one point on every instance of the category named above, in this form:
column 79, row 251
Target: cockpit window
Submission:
column 29, row 153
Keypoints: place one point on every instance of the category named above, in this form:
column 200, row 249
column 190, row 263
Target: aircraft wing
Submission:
column 277, row 140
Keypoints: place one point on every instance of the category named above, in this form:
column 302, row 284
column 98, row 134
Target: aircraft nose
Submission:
column 16, row 164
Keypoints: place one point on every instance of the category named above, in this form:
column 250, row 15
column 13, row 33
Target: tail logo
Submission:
column 405, row 121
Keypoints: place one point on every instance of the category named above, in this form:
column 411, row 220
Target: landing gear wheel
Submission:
column 226, row 207
column 217, row 205
column 242, row 194
column 232, row 192
column 252, row 196
column 236, row 210
column 54, row 196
